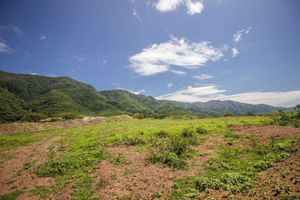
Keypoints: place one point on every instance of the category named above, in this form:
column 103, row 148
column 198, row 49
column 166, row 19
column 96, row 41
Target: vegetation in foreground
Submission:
column 168, row 144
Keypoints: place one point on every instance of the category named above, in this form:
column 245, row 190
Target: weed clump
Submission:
column 201, row 131
column 170, row 159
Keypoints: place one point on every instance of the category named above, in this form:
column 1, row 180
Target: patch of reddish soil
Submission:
column 140, row 179
column 278, row 182
column 37, row 153
column 283, row 179
column 266, row 132
column 39, row 126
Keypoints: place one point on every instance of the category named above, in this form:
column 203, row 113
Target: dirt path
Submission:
column 140, row 179
column 14, row 176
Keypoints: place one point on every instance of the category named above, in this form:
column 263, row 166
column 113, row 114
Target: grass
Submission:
column 235, row 167
column 11, row 196
column 168, row 142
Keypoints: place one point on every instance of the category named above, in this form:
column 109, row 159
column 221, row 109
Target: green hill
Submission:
column 23, row 94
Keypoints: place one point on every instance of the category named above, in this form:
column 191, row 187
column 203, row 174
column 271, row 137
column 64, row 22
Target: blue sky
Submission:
column 183, row 50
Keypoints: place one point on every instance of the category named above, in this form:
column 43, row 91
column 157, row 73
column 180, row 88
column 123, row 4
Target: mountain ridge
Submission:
column 21, row 94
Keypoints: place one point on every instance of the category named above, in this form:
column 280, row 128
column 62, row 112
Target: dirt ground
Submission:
column 33, row 126
column 140, row 179
column 13, row 176
column 266, row 132
column 137, row 178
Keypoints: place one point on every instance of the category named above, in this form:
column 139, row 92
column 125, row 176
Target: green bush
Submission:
column 170, row 159
column 162, row 134
column 201, row 131
column 34, row 117
column 187, row 132
column 262, row 165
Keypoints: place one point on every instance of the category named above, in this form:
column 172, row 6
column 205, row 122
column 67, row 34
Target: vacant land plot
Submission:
column 229, row 158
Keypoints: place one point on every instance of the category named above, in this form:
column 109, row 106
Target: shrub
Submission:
column 34, row 117
column 170, row 159
column 262, row 165
column 162, row 134
column 187, row 132
column 134, row 141
column 201, row 130
column 178, row 146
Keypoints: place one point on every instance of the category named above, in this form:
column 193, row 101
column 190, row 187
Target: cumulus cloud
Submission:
column 235, row 52
column 203, row 76
column 158, row 58
column 237, row 37
column 212, row 92
column 136, row 14
column 193, row 6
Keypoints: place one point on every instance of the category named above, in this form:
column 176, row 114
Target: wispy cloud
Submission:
column 193, row 6
column 12, row 28
column 212, row 92
column 136, row 14
column 4, row 48
column 43, row 37
column 237, row 37
column 159, row 58
column 178, row 72
column 169, row 85
column 79, row 58
column 203, row 76
column 133, row 91
column 235, row 52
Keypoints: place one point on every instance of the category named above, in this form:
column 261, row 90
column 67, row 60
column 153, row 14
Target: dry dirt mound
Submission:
column 39, row 126
column 137, row 178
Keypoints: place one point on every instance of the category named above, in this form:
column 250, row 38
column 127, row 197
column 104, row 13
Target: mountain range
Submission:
column 21, row 94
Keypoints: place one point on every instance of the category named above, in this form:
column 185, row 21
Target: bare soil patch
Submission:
column 266, row 132
column 140, row 179
column 13, row 176
column 39, row 126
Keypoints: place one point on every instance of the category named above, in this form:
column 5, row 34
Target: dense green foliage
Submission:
column 287, row 118
column 22, row 94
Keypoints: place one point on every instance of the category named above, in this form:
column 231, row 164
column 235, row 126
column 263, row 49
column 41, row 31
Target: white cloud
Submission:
column 169, row 85
column 178, row 72
column 193, row 6
column 235, row 52
column 203, row 76
column 43, row 37
column 237, row 37
column 136, row 14
column 4, row 48
column 12, row 28
column 167, row 5
column 159, row 58
column 79, row 58
column 133, row 91
column 104, row 62
column 212, row 92
column 193, row 94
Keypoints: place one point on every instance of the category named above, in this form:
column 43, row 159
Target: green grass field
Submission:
column 71, row 159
